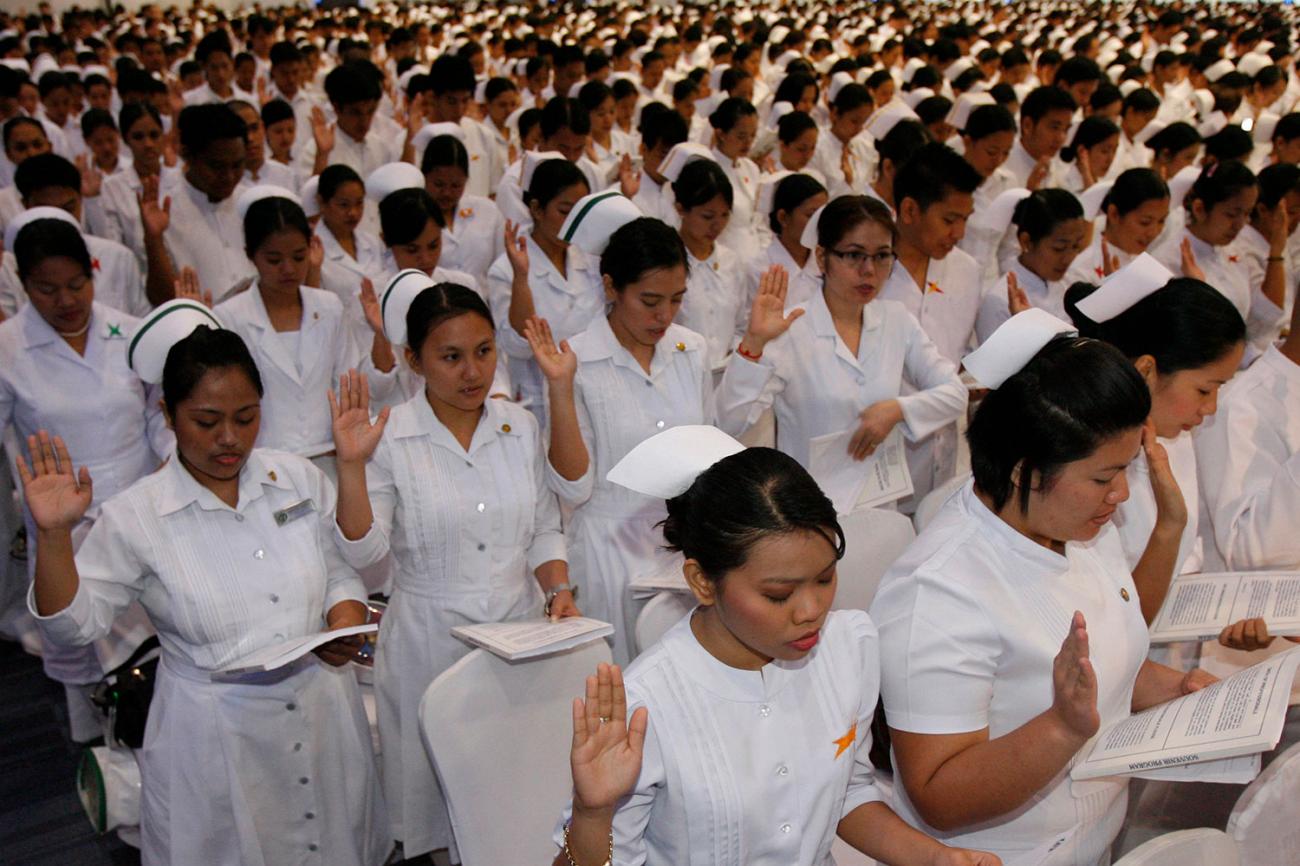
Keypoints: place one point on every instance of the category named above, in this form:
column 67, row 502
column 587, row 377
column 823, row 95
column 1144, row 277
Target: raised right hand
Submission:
column 557, row 363
column 322, row 131
column 57, row 497
column 1109, row 263
column 767, row 318
column 1017, row 300
column 1074, row 683
column 516, row 248
column 186, row 285
column 606, row 753
column 154, row 216
column 1190, row 267
column 355, row 437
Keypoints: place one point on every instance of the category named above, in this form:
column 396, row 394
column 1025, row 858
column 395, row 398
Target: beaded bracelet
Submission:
column 569, row 854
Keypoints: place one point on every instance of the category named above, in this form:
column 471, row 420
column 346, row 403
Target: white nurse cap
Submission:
column 680, row 155
column 1013, row 345
column 778, row 111
column 1181, row 183
column 31, row 215
column 157, row 332
column 254, row 194
column 389, row 178
column 959, row 116
column 1250, row 64
column 767, row 191
column 915, row 97
column 1125, row 287
column 667, row 464
column 595, row 218
column 997, row 216
column 887, row 118
column 310, row 196
column 838, row 80
column 1092, row 197
column 1218, row 69
column 808, row 240
column 396, row 300
column 532, row 159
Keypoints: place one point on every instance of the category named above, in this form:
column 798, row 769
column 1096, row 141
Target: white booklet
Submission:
column 851, row 484
column 1240, row 715
column 668, row 579
column 269, row 658
column 526, row 639
column 1198, row 606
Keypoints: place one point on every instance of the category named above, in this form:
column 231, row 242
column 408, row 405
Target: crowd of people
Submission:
column 491, row 311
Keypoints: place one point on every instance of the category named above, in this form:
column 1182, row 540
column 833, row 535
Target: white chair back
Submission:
column 661, row 613
column 1264, row 822
column 505, row 790
column 874, row 538
column 1203, row 846
column 928, row 507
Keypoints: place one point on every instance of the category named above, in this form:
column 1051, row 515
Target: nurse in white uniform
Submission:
column 628, row 376
column 1136, row 208
column 230, row 550
column 63, row 368
column 839, row 364
column 1010, row 629
column 352, row 254
column 543, row 274
column 735, row 125
column 1051, row 231
column 297, row 335
column 473, row 231
column 790, row 201
column 1187, row 341
column 742, row 736
column 454, row 487
column 715, row 304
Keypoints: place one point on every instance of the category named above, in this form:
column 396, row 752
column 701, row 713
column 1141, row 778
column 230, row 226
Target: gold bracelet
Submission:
column 568, row 855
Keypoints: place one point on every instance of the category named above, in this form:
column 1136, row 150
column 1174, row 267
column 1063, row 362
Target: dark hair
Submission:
column 1039, row 213
column 684, row 89
column 1106, row 94
column 94, row 119
column 529, row 118
column 284, row 52
column 497, row 86
column 275, row 111
column 1042, row 100
column 1077, row 69
column 643, row 245
column 333, row 177
column 268, row 216
column 1231, row 142
column 352, row 82
column 593, row 94
column 987, row 120
column 933, row 109
column 1184, row 325
column 45, row 238
column 44, row 171
column 1133, row 188
column 451, row 73
column 21, row 120
column 564, row 113
column 551, row 178
column 742, row 499
column 1175, row 137
column 403, row 215
column 904, row 139
column 216, row 42
column 792, row 87
column 203, row 125
column 1093, row 130
column 1217, row 183
column 1070, row 398
column 792, row 191
column 203, row 350
column 445, row 151
column 792, row 125
column 730, row 112
column 933, row 170
column 846, row 212
column 437, row 304
column 1143, row 100
column 700, row 182
column 851, row 96
column 1288, row 127
column 660, row 125
column 1276, row 181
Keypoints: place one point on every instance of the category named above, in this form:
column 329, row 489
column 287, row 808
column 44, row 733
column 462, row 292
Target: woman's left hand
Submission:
column 1195, row 680
column 340, row 651
column 876, row 422
column 1171, row 508
column 563, row 606
column 1246, row 634
column 946, row 856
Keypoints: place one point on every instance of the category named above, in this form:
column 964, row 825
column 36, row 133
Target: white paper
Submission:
column 1043, row 853
column 278, row 655
column 852, row 484
column 1199, row 606
column 529, row 638
column 665, row 580
column 1240, row 770
column 1240, row 715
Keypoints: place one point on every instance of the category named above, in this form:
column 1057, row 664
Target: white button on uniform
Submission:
column 783, row 770
column 481, row 507
column 765, row 711
column 786, row 828
column 659, row 425
column 259, row 554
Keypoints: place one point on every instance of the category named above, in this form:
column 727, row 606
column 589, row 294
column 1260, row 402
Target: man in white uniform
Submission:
column 1045, row 118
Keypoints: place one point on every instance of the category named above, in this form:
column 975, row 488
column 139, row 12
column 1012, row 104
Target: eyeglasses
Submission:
column 881, row 261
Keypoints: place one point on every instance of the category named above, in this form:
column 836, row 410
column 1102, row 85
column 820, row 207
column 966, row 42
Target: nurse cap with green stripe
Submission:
column 157, row 332
column 595, row 218
column 396, row 300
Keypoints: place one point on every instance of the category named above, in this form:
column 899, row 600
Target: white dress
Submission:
column 466, row 529
column 749, row 768
column 272, row 769
column 209, row 238
column 817, row 386
column 994, row 309
column 715, row 306
column 297, row 370
column 115, row 214
column 341, row 274
column 971, row 617
column 804, row 282
column 1225, row 271
column 1088, row 267
column 118, row 282
column 1136, row 516
column 741, row 233
column 612, row 535
column 475, row 239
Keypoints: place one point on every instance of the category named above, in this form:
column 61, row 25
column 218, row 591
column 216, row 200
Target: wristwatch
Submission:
column 556, row 590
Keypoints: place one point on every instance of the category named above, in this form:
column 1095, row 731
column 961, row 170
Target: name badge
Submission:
column 293, row 512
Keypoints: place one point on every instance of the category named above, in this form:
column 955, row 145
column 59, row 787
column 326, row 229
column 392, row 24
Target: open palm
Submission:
column 57, row 496
column 355, row 436
column 558, row 363
column 607, row 747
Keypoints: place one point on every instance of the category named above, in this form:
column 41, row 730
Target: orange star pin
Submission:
column 94, row 264
column 844, row 743
column 1100, row 272
column 466, row 212
column 1232, row 259
column 932, row 286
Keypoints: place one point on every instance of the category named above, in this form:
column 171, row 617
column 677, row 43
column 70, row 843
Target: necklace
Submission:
column 72, row 335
